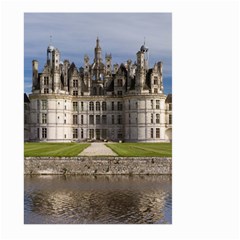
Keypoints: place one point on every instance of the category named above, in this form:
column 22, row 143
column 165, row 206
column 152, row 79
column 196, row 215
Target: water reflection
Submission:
column 99, row 199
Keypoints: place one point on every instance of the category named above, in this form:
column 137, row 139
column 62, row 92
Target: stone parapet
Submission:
column 97, row 165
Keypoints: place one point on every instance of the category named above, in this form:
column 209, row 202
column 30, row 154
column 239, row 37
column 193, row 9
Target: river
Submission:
column 114, row 199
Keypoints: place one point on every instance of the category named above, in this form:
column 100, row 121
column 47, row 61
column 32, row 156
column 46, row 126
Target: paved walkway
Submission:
column 97, row 149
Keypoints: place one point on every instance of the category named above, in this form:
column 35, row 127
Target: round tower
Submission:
column 34, row 74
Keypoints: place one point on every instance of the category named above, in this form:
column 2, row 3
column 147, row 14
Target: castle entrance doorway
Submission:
column 98, row 134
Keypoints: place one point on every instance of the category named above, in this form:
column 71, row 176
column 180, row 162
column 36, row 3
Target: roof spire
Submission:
column 143, row 47
column 97, row 45
column 50, row 47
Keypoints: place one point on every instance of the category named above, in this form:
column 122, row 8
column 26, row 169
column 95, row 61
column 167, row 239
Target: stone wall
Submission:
column 97, row 165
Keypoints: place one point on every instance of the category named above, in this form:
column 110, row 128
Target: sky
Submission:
column 120, row 34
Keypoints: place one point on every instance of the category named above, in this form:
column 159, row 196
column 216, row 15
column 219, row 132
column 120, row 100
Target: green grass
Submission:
column 142, row 149
column 53, row 149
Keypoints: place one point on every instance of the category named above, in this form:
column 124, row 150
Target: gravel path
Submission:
column 97, row 149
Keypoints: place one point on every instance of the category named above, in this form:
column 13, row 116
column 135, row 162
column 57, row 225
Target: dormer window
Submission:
column 45, row 81
column 75, row 83
column 119, row 83
column 75, row 93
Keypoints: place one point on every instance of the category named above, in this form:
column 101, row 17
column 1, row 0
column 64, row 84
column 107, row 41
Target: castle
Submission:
column 99, row 101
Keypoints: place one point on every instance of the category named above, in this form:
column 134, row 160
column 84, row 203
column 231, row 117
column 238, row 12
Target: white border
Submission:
column 205, row 81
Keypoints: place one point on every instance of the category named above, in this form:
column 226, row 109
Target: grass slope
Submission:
column 53, row 149
column 142, row 149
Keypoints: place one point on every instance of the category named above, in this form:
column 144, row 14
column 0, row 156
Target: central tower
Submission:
column 98, row 52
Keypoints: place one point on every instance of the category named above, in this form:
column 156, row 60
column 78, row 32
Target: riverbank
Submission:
column 97, row 165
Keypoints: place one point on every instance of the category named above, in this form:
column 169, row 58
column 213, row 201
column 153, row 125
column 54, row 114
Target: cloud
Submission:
column 121, row 34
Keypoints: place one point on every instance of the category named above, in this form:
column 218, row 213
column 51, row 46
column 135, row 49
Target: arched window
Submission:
column 100, row 91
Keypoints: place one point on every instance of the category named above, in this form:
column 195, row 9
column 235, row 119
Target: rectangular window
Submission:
column 91, row 119
column 45, row 81
column 91, row 106
column 75, row 93
column 155, row 90
column 97, row 119
column 44, row 104
column 119, row 93
column 136, row 105
column 75, row 133
column 119, row 82
column 91, row 133
column 75, row 83
column 119, row 134
column 157, row 132
column 38, row 104
column 113, row 119
column 157, row 104
column 38, row 133
column 104, row 133
column 104, row 106
column 170, row 119
column 75, row 119
column 157, row 118
column 44, row 118
column 38, row 118
column 151, row 118
column 170, row 107
column 119, row 106
column 104, row 119
column 81, row 133
column 81, row 119
column 112, row 106
column 129, row 105
column 129, row 118
column 75, row 106
column 44, row 132
column 97, row 134
column 119, row 119
column 151, row 104
column 82, row 106
column 97, row 106
column 155, row 82
column 45, row 90
column 151, row 132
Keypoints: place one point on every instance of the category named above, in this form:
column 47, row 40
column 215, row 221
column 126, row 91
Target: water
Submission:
column 98, row 199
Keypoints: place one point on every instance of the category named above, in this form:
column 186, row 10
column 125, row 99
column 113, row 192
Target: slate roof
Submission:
column 169, row 98
column 26, row 99
column 111, row 87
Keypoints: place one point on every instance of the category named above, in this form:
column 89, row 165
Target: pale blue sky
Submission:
column 120, row 34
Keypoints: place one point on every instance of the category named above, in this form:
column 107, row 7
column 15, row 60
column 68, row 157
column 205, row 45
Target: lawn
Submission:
column 53, row 149
column 142, row 149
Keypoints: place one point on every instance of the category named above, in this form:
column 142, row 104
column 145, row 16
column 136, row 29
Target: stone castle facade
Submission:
column 99, row 101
